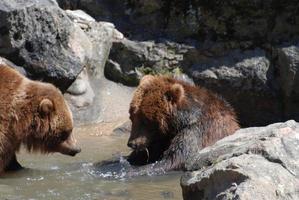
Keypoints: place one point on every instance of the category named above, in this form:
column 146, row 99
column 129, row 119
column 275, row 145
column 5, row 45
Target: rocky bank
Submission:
column 254, row 163
column 247, row 51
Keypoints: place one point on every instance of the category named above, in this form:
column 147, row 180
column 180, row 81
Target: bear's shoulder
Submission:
column 9, row 75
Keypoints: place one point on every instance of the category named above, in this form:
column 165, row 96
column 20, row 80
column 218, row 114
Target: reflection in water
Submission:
column 60, row 177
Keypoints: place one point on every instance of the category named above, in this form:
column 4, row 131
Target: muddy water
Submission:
column 60, row 177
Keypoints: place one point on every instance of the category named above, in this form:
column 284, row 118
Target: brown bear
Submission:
column 34, row 114
column 172, row 120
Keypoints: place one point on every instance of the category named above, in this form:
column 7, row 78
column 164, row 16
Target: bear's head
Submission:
column 51, row 124
column 153, row 110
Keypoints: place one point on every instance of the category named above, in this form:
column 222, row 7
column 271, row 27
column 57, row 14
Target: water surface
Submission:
column 57, row 176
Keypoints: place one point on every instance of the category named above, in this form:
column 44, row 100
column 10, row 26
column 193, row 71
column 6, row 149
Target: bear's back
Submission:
column 10, row 81
column 218, row 118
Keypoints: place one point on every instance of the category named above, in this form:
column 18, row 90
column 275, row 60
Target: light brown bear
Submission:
column 34, row 114
column 172, row 121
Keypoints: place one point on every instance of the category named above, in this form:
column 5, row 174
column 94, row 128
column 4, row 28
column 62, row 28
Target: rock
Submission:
column 92, row 98
column 90, row 6
column 260, row 21
column 286, row 61
column 239, row 49
column 79, row 16
column 80, row 94
column 114, row 72
column 254, row 163
column 130, row 60
column 40, row 36
column 102, row 35
column 245, row 79
column 123, row 129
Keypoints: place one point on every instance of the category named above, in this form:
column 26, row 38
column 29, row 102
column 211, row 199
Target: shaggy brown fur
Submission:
column 34, row 114
column 173, row 120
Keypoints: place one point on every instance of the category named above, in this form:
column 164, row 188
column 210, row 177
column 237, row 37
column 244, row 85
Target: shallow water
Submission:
column 57, row 176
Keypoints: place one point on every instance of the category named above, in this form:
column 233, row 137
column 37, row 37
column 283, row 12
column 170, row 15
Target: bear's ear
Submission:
column 146, row 80
column 45, row 107
column 175, row 93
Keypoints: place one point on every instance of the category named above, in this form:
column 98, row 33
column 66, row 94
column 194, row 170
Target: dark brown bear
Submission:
column 34, row 114
column 173, row 120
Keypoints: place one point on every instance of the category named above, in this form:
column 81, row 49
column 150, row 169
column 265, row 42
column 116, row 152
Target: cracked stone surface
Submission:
column 254, row 163
column 39, row 36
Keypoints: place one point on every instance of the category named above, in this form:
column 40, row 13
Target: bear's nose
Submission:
column 132, row 144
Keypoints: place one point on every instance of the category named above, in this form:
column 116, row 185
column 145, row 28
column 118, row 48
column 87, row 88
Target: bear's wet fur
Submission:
column 33, row 114
column 173, row 120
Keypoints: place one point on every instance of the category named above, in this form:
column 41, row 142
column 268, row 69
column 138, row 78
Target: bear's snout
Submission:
column 139, row 143
column 69, row 147
column 74, row 151
column 69, row 150
column 132, row 144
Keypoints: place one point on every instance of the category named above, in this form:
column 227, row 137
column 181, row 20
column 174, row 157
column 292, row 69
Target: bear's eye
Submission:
column 167, row 96
column 64, row 135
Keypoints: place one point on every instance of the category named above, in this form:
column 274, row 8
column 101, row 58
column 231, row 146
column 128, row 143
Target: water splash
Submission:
column 122, row 170
column 40, row 178
column 114, row 169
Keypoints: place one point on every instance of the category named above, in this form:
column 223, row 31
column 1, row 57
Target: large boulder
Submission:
column 40, row 36
column 92, row 97
column 130, row 60
column 286, row 62
column 245, row 78
column 254, row 163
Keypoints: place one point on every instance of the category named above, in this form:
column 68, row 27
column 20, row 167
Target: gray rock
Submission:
column 286, row 59
column 130, row 60
column 245, row 70
column 114, row 72
column 90, row 6
column 254, row 163
column 79, row 16
column 102, row 36
column 245, row 79
column 233, row 48
column 103, row 101
column 92, row 98
column 39, row 36
column 124, row 128
column 80, row 94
